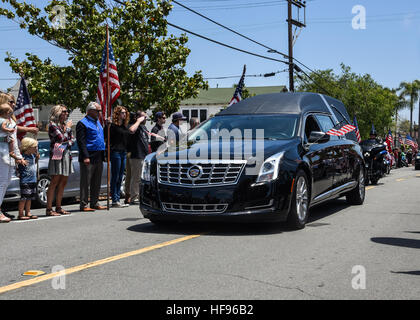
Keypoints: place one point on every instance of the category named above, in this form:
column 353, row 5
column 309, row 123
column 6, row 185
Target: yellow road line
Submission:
column 94, row 264
column 370, row 187
column 402, row 179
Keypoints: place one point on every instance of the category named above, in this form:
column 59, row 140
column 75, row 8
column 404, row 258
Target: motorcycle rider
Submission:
column 373, row 135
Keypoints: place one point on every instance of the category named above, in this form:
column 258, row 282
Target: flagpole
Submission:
column 108, row 104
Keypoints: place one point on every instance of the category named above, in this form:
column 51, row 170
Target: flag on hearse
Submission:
column 342, row 131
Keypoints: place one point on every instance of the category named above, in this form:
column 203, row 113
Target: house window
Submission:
column 201, row 114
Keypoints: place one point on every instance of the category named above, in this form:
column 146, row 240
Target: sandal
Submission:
column 61, row 211
column 30, row 216
column 4, row 219
column 51, row 213
column 23, row 218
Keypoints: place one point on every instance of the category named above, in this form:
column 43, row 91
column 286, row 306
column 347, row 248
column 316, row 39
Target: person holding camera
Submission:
column 158, row 130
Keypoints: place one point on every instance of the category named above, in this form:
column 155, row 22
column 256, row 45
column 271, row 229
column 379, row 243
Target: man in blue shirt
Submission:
column 90, row 139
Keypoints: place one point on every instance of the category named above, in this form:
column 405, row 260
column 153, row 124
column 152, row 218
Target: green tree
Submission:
column 151, row 64
column 404, row 126
column 410, row 90
column 370, row 102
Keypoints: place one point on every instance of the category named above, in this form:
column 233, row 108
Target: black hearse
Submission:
column 266, row 158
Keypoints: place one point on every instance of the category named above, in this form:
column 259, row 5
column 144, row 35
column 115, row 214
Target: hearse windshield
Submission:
column 270, row 127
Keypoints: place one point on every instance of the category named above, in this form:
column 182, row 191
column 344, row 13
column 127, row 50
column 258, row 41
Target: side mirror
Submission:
column 318, row 137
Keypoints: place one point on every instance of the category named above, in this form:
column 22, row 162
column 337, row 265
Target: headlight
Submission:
column 418, row 158
column 367, row 154
column 270, row 168
column 145, row 172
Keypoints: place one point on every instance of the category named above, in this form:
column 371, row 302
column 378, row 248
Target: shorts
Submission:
column 28, row 191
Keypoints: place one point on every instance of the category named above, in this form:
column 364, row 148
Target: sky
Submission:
column 388, row 48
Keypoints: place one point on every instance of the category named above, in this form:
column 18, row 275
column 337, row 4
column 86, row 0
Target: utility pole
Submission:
column 291, row 64
column 290, row 21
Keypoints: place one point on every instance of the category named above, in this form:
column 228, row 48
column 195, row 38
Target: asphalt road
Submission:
column 120, row 255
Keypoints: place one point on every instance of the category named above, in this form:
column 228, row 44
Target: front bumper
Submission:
column 244, row 202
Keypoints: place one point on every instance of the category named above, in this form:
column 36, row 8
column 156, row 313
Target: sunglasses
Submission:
column 64, row 111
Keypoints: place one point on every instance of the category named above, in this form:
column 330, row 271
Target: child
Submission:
column 6, row 128
column 28, row 177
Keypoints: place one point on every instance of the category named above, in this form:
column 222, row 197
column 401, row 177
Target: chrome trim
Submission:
column 328, row 193
column 263, row 206
column 227, row 165
column 191, row 208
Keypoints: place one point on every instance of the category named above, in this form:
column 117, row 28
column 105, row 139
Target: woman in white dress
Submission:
column 7, row 163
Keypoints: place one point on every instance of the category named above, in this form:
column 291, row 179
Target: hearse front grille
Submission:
column 208, row 174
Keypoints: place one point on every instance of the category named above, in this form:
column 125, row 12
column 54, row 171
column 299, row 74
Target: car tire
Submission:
column 357, row 195
column 374, row 181
column 299, row 210
column 417, row 167
column 41, row 189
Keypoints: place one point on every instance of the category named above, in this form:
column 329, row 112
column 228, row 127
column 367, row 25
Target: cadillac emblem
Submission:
column 195, row 172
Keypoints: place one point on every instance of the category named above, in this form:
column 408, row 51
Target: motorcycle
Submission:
column 375, row 160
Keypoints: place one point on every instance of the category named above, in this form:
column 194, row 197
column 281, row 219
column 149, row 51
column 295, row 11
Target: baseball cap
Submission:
column 178, row 116
column 158, row 115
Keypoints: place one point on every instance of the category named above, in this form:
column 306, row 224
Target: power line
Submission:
column 265, row 75
column 227, row 28
column 225, row 45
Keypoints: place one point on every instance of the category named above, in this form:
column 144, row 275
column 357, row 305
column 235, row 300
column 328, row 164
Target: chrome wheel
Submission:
column 301, row 198
column 362, row 189
column 42, row 189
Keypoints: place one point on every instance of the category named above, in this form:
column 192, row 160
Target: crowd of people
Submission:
column 129, row 143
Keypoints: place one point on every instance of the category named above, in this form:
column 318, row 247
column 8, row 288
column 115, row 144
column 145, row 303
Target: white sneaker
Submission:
column 119, row 205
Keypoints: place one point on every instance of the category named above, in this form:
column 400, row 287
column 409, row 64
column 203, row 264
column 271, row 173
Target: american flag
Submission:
column 400, row 139
column 114, row 83
column 238, row 92
column 58, row 151
column 410, row 141
column 23, row 110
column 359, row 138
column 343, row 131
column 389, row 141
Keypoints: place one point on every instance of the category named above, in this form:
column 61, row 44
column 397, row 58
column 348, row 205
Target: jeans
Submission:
column 118, row 160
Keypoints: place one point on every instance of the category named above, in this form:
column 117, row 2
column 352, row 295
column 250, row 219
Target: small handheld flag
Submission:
column 58, row 151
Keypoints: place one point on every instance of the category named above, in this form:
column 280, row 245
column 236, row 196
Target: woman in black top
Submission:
column 119, row 136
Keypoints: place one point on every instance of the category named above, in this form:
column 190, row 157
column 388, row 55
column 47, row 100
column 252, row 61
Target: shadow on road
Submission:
column 413, row 273
column 241, row 229
column 398, row 242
